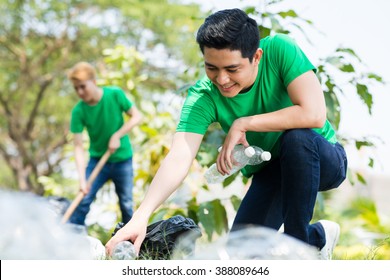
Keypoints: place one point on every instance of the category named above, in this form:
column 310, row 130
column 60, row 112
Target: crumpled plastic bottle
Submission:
column 124, row 250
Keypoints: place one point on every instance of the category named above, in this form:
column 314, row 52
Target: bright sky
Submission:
column 361, row 26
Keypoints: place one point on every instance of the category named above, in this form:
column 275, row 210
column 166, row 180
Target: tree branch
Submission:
column 4, row 103
column 34, row 112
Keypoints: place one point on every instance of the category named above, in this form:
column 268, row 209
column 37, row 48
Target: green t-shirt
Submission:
column 282, row 61
column 102, row 121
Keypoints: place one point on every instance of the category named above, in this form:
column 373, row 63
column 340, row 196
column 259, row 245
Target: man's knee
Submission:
column 296, row 137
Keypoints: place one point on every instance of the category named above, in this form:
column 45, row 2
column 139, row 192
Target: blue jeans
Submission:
column 285, row 191
column 121, row 174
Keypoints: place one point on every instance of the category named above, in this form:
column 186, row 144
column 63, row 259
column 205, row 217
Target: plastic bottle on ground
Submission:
column 124, row 250
column 240, row 158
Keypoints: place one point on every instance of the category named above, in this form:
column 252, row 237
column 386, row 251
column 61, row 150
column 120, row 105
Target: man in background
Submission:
column 101, row 112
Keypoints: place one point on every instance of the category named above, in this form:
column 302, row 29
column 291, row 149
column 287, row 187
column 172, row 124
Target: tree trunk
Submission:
column 25, row 176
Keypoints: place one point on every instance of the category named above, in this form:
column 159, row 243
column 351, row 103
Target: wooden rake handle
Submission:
column 90, row 180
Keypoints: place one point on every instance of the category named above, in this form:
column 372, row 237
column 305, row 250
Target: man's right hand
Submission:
column 84, row 188
column 134, row 231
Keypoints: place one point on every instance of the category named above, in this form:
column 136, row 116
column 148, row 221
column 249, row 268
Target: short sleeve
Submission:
column 198, row 111
column 76, row 122
column 289, row 58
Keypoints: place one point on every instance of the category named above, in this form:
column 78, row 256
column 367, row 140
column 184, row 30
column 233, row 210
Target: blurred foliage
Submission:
column 363, row 235
column 40, row 40
column 148, row 49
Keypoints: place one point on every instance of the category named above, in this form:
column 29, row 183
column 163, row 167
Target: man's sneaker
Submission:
column 332, row 233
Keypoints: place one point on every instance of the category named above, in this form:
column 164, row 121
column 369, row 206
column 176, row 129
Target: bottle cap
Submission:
column 249, row 151
column 266, row 156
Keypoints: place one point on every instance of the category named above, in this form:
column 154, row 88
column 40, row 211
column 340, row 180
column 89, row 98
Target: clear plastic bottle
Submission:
column 124, row 250
column 240, row 158
column 259, row 156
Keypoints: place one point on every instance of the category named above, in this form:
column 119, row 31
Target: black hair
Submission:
column 230, row 29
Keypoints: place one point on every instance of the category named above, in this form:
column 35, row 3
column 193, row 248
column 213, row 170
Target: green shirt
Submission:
column 102, row 120
column 282, row 61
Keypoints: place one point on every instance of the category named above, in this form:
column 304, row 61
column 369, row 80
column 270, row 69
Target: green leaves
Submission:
column 349, row 64
column 363, row 143
column 212, row 215
column 236, row 201
column 365, row 95
column 289, row 13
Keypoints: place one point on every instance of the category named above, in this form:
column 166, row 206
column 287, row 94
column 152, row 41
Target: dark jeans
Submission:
column 285, row 191
column 121, row 174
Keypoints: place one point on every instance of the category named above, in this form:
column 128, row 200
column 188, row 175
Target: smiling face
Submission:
column 229, row 71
